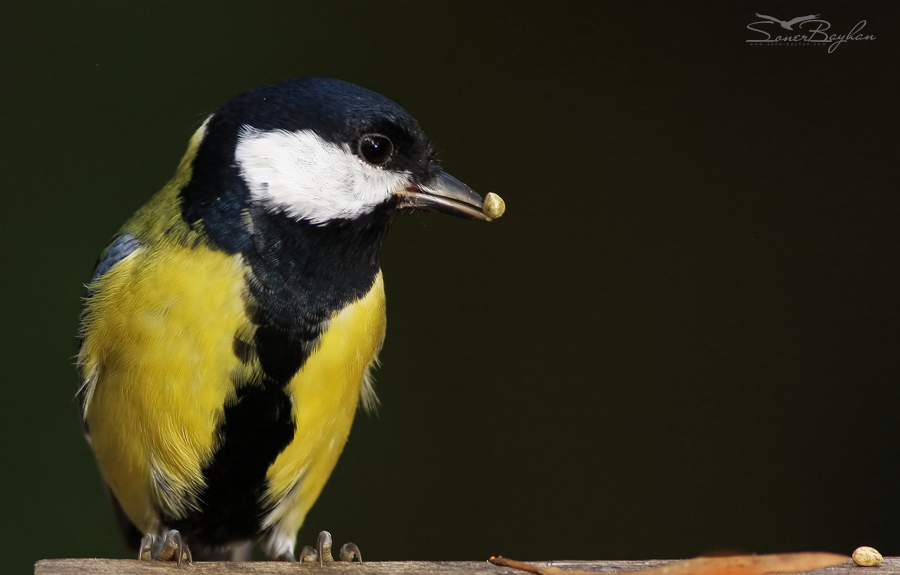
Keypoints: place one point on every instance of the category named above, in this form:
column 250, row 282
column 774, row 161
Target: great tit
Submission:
column 230, row 327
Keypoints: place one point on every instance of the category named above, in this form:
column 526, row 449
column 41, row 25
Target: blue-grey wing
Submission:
column 121, row 246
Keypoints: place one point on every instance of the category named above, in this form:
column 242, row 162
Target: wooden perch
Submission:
column 891, row 566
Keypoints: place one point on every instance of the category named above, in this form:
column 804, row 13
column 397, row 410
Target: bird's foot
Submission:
column 169, row 547
column 322, row 552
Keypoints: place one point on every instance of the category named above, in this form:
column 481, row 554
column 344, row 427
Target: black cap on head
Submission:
column 337, row 111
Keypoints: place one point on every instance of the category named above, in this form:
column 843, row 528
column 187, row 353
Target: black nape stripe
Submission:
column 300, row 275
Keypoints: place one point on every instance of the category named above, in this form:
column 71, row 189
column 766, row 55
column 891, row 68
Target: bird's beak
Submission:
column 443, row 194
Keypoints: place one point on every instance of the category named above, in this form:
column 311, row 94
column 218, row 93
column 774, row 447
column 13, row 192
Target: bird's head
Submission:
column 320, row 150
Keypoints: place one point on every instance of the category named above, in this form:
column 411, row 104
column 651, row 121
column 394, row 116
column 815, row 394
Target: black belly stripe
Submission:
column 255, row 430
column 256, row 427
column 301, row 275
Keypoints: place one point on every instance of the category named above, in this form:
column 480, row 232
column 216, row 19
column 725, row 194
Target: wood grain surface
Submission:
column 891, row 566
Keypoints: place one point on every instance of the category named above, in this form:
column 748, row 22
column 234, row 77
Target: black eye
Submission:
column 375, row 149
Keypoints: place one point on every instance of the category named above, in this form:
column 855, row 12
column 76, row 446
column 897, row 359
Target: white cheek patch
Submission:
column 309, row 178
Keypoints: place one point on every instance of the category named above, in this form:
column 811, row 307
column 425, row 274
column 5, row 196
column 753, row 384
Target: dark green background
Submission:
column 684, row 337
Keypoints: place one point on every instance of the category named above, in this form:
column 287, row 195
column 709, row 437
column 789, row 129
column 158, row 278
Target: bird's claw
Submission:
column 169, row 547
column 322, row 551
column 349, row 552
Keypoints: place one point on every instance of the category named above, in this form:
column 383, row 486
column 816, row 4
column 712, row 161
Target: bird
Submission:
column 231, row 325
column 787, row 25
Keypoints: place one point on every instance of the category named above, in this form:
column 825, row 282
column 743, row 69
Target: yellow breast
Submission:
column 325, row 393
column 158, row 344
column 159, row 359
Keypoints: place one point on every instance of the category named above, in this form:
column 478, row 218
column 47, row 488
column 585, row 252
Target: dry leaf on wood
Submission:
column 736, row 565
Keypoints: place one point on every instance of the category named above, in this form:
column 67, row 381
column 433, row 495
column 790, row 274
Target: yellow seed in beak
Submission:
column 494, row 206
